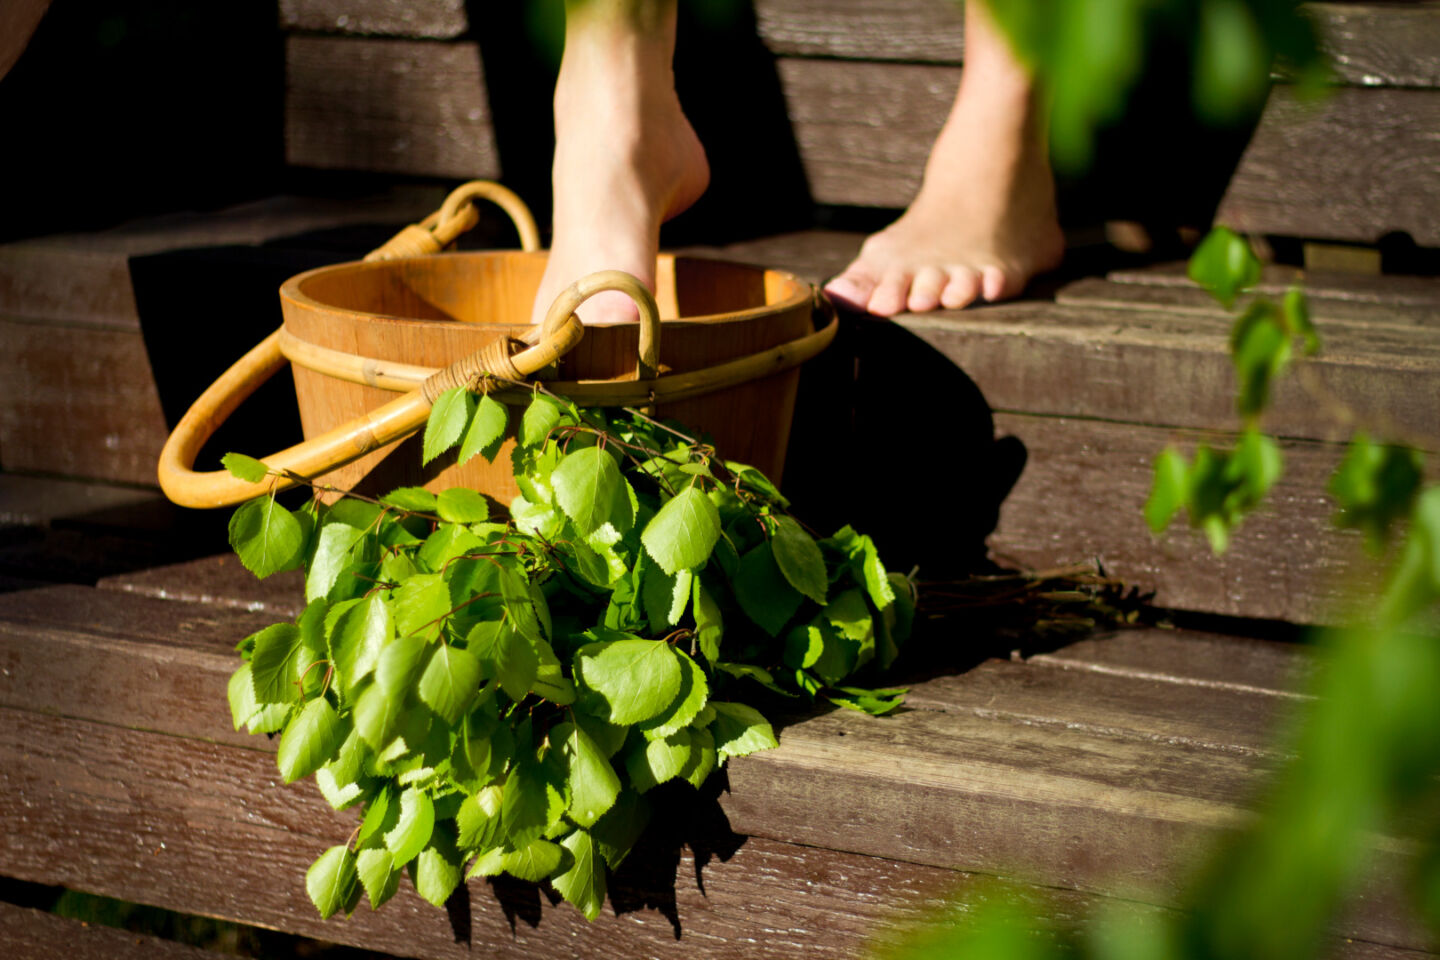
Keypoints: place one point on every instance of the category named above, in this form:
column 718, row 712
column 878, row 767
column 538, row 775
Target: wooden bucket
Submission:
column 717, row 348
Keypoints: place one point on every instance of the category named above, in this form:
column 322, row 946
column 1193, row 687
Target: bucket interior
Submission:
column 500, row 288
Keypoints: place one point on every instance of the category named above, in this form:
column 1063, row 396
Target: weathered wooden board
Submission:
column 220, row 581
column 812, row 255
column 32, row 501
column 1174, row 369
column 1391, row 290
column 33, row 934
column 1370, row 44
column 85, row 278
column 78, row 401
column 208, row 829
column 430, row 19
column 1324, row 309
column 1357, row 166
column 918, row 31
column 1080, row 498
column 388, row 106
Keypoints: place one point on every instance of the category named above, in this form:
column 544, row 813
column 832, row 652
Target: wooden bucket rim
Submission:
column 291, row 291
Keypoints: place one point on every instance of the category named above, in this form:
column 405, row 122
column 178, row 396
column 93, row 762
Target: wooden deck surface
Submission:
column 1096, row 771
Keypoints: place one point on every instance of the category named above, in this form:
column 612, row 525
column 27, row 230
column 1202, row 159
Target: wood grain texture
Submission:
column 430, row 19
column 33, row 934
column 78, row 402
column 388, row 106
column 1174, row 369
column 207, row 829
column 1394, row 45
column 864, row 130
column 85, row 278
column 220, row 581
column 1080, row 498
column 1392, row 290
column 930, row 31
column 1357, row 166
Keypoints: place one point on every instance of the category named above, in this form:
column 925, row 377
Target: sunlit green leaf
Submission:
column 1224, row 265
column 244, row 468
column 309, row 741
column 583, row 884
column 683, row 532
column 799, row 559
column 330, row 881
column 266, row 537
column 633, row 679
column 487, row 430
column 447, row 420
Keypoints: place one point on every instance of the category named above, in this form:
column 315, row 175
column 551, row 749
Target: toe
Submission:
column 852, row 289
column 999, row 283
column 961, row 290
column 607, row 308
column 890, row 294
column 925, row 290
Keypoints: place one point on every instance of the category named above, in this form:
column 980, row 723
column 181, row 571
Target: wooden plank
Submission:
column 1174, row 369
column 388, row 106
column 909, row 30
column 1191, row 657
column 1394, row 45
column 1229, row 718
column 85, row 278
column 149, row 817
column 1393, row 291
column 220, row 581
column 34, row 933
column 812, row 255
column 1325, row 310
column 1080, row 498
column 431, row 19
column 31, row 501
column 864, row 130
column 1356, row 167
column 1095, row 814
column 78, row 401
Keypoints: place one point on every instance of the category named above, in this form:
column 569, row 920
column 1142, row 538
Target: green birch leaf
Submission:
column 274, row 665
column 271, row 718
column 244, row 468
column 439, row 867
column 616, row 832
column 332, row 555
column 266, row 537
column 694, row 692
column 446, row 422
column 1295, row 311
column 487, row 430
column 491, row 863
column 381, row 815
column 414, row 499
column 505, row 655
column 589, row 488
column 399, row 664
column 478, row 819
column 542, row 416
column 448, row 542
column 683, row 532
column 459, row 505
column 804, row 645
column 740, row 730
column 709, row 623
column 309, row 741
column 450, row 683
column 653, row 762
column 330, row 881
column 665, row 596
column 241, row 693
column 634, row 679
column 377, row 715
column 583, row 884
column 703, row 758
column 609, row 737
column 349, row 761
column 377, row 875
column 535, row 862
column 593, row 783
column 360, row 634
column 799, row 559
column 877, row 580
column 1224, row 265
column 338, row 795
column 550, row 680
column 421, row 603
column 414, row 828
column 1168, row 492
column 764, row 595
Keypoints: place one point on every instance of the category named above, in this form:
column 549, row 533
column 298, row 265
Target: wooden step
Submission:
column 119, row 751
column 26, row 933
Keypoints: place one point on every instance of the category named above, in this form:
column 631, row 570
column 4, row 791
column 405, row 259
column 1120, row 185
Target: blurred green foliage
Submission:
column 1089, row 54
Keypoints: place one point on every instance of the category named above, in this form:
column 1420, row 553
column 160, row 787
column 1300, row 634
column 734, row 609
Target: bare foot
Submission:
column 626, row 160
column 984, row 221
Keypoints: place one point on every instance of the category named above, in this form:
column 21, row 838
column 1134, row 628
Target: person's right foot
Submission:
column 626, row 160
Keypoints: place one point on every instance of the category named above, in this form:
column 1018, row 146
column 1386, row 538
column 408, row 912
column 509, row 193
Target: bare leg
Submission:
column 626, row 159
column 984, row 220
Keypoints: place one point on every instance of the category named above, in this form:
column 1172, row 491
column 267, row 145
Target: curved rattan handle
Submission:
column 318, row 455
column 648, row 359
column 455, row 216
